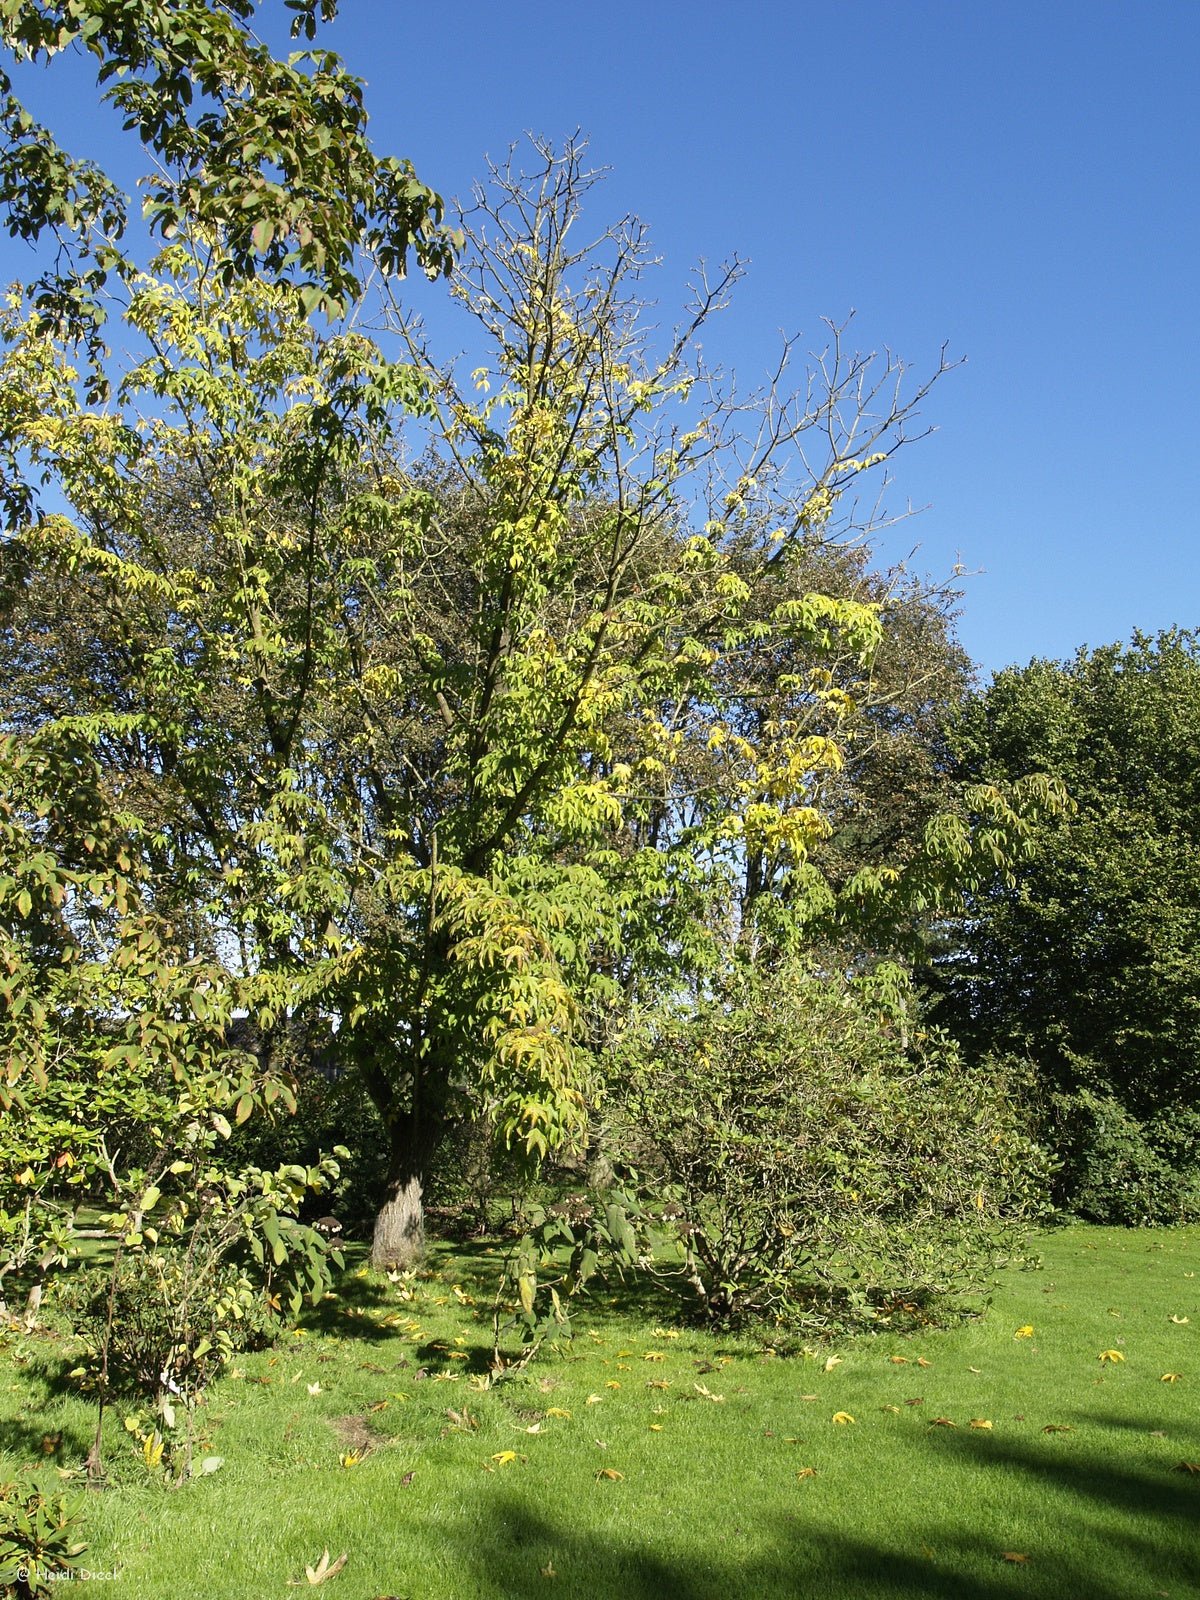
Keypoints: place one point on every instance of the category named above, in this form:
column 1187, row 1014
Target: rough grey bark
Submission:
column 399, row 1239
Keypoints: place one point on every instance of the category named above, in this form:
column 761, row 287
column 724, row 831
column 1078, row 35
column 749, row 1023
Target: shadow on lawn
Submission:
column 1124, row 1532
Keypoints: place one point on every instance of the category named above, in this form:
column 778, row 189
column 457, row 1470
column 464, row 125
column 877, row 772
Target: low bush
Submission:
column 815, row 1165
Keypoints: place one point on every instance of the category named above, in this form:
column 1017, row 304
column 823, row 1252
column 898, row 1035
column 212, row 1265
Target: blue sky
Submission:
column 1016, row 180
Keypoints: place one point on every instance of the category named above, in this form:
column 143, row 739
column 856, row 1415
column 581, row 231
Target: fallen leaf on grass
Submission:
column 654, row 1355
column 1170, row 1377
column 981, row 1422
column 898, row 1361
column 656, row 1427
column 351, row 1458
column 559, row 1411
column 975, row 1370
column 833, row 1361
column 379, row 1405
column 610, row 1474
column 807, row 1472
column 1024, row 1333
column 1013, row 1555
column 505, row 1458
column 548, row 1570
column 942, row 1422
column 1188, row 1466
column 917, row 1400
column 612, row 1384
column 594, row 1400
column 658, row 1383
column 1179, row 1321
column 895, row 1410
column 842, row 1417
column 1058, row 1427
column 702, row 1389
column 314, row 1388
column 921, row 1362
column 324, row 1569
column 808, row 1397
column 1110, row 1356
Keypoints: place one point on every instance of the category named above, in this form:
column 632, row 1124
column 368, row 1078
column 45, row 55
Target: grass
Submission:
column 706, row 1500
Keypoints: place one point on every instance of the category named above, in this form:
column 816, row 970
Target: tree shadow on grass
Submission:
column 1124, row 1531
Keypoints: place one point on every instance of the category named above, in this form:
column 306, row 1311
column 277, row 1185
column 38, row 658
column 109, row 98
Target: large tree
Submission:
column 1090, row 961
column 449, row 733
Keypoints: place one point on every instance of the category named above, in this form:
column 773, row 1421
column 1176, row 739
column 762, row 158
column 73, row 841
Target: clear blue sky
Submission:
column 1017, row 179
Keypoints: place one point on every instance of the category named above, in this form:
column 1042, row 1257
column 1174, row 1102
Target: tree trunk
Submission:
column 399, row 1238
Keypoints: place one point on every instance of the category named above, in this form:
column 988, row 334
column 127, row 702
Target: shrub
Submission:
column 813, row 1166
column 39, row 1537
column 1120, row 1171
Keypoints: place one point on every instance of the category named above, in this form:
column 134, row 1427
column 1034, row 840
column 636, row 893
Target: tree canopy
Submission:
column 1090, row 961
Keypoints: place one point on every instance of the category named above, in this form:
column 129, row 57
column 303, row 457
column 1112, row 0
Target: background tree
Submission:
column 1089, row 963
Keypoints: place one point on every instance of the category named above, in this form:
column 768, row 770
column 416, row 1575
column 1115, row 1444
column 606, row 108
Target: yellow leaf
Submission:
column 1111, row 1356
column 1170, row 1377
column 942, row 1422
column 504, row 1458
column 325, row 1569
column 842, row 1417
column 833, row 1361
column 548, row 1570
column 350, row 1459
column 612, row 1384
column 609, row 1473
column 1013, row 1555
column 656, row 1427
column 1024, row 1333
column 895, row 1410
column 1179, row 1320
column 898, row 1361
column 654, row 1355
column 559, row 1411
column 594, row 1400
column 807, row 1472
column 717, row 1399
column 980, row 1422
column 921, row 1362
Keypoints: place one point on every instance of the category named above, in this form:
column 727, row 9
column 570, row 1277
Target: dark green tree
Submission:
column 1089, row 962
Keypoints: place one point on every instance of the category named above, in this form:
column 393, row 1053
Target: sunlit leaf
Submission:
column 1024, row 1333
column 842, row 1418
column 1110, row 1356
column 942, row 1422
column 981, row 1422
column 806, row 1472
column 1170, row 1377
column 325, row 1569
column 610, row 1474
column 1013, row 1555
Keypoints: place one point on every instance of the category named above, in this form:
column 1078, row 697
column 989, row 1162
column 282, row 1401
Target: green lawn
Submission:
column 706, row 1500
